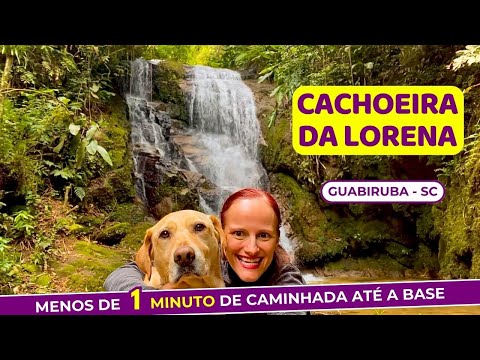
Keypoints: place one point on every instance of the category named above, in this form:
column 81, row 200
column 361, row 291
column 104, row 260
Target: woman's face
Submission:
column 251, row 228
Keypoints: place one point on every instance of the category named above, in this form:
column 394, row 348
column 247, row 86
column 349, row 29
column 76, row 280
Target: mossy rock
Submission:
column 169, row 70
column 132, row 213
column 455, row 250
column 101, row 193
column 89, row 220
column 426, row 261
column 89, row 265
column 116, row 140
column 112, row 234
column 400, row 253
column 309, row 253
column 116, row 113
column 475, row 268
column 135, row 236
column 43, row 280
column 31, row 268
column 173, row 194
column 166, row 88
column 112, row 184
column 279, row 155
column 117, row 186
column 77, row 229
column 317, row 241
column 122, row 184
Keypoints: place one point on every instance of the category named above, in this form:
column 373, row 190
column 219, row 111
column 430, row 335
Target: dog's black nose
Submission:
column 184, row 256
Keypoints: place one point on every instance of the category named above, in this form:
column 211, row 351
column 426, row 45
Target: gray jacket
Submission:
column 130, row 276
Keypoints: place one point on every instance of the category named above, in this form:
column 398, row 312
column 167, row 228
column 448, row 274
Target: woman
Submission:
column 252, row 254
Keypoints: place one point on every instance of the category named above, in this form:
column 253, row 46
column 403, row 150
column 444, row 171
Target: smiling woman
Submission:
column 251, row 221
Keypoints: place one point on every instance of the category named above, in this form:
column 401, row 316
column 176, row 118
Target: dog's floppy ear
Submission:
column 144, row 256
column 219, row 234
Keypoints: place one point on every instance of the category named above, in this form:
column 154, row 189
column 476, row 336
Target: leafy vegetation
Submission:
column 51, row 101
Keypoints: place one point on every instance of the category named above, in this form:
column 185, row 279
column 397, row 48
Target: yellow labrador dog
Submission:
column 181, row 251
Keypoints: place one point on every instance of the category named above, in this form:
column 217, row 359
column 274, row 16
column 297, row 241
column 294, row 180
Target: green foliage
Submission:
column 51, row 98
column 43, row 137
column 92, row 82
column 186, row 54
column 6, row 261
column 23, row 224
column 14, row 50
column 468, row 56
column 87, row 143
column 79, row 192
column 306, row 174
column 84, row 74
column 73, row 167
column 28, row 131
column 292, row 66
column 180, row 53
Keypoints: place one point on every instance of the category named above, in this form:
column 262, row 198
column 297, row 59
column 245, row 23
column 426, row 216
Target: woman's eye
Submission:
column 264, row 236
column 164, row 234
column 238, row 233
column 199, row 227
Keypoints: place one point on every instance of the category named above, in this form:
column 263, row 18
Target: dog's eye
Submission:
column 164, row 234
column 199, row 227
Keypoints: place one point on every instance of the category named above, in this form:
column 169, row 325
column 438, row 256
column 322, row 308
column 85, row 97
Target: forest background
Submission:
column 62, row 118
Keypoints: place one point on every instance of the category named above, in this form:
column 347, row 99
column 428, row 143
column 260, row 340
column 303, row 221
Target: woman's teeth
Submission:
column 250, row 260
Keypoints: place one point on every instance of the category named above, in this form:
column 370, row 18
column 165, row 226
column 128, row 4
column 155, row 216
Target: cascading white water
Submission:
column 222, row 104
column 146, row 134
column 141, row 80
column 223, row 116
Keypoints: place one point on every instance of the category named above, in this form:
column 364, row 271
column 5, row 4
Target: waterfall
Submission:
column 141, row 80
column 222, row 139
column 147, row 134
column 222, row 114
column 221, row 104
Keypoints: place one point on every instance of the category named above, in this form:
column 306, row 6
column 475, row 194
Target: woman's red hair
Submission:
column 252, row 193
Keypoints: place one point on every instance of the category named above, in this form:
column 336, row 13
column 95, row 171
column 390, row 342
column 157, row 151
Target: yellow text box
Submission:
column 378, row 120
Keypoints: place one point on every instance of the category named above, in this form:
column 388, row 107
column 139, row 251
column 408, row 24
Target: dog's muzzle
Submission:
column 184, row 256
column 186, row 263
